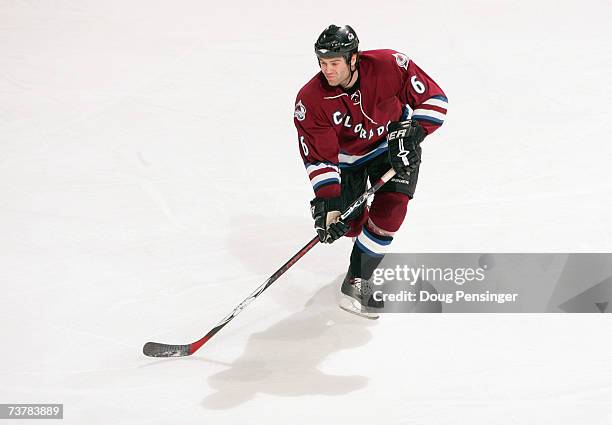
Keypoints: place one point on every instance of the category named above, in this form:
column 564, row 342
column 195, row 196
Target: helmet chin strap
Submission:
column 350, row 78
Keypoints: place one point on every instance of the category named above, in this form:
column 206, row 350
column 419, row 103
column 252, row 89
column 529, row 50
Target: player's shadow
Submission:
column 284, row 359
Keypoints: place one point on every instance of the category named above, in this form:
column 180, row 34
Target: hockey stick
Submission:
column 156, row 349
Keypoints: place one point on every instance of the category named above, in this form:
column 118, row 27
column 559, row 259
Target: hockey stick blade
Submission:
column 156, row 349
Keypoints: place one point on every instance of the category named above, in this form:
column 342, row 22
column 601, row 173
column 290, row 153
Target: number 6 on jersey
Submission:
column 304, row 146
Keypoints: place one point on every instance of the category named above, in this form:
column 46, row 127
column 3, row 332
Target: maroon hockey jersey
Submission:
column 340, row 128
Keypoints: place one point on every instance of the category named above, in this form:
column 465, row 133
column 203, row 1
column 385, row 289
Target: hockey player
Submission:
column 347, row 117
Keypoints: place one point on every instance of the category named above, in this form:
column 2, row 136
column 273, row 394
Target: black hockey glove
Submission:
column 326, row 215
column 404, row 138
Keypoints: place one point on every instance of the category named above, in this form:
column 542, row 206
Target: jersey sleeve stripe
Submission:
column 440, row 97
column 319, row 184
column 323, row 174
column 432, row 108
column 314, row 166
column 321, row 171
column 428, row 119
column 325, row 177
column 436, row 102
column 429, row 115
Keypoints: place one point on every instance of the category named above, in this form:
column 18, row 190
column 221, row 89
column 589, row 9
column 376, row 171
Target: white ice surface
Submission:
column 150, row 180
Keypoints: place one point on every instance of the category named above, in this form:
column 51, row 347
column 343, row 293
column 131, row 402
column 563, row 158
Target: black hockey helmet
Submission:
column 337, row 41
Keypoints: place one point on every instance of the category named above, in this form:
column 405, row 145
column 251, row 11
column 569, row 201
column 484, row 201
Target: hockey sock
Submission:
column 385, row 218
column 368, row 251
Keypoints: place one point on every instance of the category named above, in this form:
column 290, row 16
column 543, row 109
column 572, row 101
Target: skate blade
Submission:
column 351, row 305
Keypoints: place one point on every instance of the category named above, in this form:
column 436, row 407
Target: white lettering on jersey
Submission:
column 337, row 117
column 363, row 133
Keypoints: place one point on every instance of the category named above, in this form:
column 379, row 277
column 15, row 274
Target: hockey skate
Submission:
column 357, row 298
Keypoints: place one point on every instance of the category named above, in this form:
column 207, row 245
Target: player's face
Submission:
column 335, row 70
